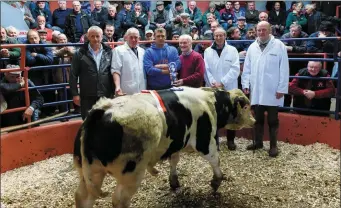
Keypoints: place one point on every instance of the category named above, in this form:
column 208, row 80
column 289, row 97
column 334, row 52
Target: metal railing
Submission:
column 65, row 85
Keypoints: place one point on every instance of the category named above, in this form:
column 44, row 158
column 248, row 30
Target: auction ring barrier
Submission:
column 65, row 85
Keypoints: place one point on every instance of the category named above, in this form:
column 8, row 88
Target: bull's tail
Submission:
column 90, row 128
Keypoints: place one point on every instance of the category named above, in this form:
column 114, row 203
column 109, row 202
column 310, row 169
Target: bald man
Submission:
column 266, row 71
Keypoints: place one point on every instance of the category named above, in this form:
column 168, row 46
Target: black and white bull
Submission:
column 128, row 135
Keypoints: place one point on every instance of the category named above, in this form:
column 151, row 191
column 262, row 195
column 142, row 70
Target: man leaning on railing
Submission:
column 9, row 86
column 312, row 94
column 12, row 53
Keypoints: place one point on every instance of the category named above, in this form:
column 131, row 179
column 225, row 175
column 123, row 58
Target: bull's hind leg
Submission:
column 126, row 187
column 213, row 158
column 86, row 196
column 173, row 175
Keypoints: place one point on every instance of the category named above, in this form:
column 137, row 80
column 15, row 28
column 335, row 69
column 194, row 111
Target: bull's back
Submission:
column 120, row 131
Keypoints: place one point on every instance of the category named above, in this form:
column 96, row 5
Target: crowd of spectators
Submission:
column 70, row 25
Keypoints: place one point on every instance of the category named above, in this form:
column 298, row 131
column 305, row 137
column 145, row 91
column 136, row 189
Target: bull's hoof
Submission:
column 215, row 183
column 174, row 182
column 153, row 171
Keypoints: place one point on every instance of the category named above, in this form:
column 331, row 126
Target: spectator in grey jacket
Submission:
column 92, row 65
column 295, row 46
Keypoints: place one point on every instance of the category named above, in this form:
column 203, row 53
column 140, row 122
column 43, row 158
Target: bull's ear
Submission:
column 242, row 101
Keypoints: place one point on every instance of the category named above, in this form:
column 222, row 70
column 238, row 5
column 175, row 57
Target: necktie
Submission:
column 135, row 51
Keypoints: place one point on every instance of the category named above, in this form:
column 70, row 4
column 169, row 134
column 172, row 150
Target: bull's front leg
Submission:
column 213, row 158
column 173, row 175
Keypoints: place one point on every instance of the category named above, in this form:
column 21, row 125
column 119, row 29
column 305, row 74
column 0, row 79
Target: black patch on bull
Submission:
column 130, row 167
column 204, row 130
column 223, row 107
column 178, row 117
column 102, row 137
column 77, row 147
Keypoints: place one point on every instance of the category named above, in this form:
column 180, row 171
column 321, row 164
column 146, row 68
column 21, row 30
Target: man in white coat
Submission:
column 222, row 70
column 127, row 65
column 266, row 70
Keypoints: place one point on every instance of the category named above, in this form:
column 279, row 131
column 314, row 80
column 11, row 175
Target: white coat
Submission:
column 224, row 69
column 266, row 72
column 130, row 68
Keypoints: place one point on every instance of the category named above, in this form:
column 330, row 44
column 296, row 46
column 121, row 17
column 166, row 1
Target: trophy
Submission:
column 172, row 71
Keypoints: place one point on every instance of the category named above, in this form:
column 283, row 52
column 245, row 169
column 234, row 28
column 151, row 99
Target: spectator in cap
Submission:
column 149, row 36
column 9, row 86
column 40, row 10
column 211, row 10
column 184, row 27
column 124, row 19
column 241, row 25
column 42, row 35
column 194, row 33
column 160, row 18
column 174, row 13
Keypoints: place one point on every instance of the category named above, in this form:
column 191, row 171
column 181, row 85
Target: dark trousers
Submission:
column 273, row 123
column 86, row 105
column 230, row 135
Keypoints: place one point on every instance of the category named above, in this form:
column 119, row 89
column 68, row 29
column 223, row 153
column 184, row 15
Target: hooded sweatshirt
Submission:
column 153, row 56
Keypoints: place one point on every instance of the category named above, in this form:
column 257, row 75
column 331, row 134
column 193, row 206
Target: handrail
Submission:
column 65, row 85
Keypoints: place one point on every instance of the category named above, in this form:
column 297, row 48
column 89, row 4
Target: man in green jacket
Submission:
column 12, row 53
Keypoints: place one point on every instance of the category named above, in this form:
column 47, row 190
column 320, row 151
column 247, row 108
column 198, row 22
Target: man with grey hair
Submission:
column 222, row 70
column 77, row 23
column 92, row 65
column 192, row 64
column 127, row 65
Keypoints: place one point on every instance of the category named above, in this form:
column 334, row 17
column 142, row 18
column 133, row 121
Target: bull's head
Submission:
column 240, row 114
column 233, row 109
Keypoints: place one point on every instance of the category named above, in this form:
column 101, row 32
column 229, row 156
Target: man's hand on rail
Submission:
column 22, row 82
column 34, row 54
column 77, row 100
column 289, row 48
column 28, row 113
column 309, row 94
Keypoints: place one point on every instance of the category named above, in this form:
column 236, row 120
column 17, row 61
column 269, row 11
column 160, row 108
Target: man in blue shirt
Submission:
column 157, row 61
